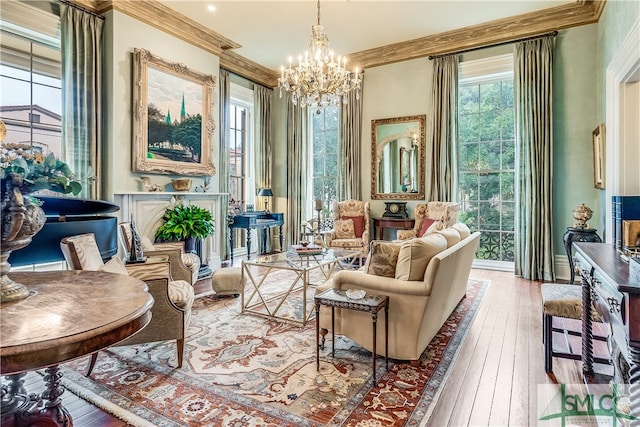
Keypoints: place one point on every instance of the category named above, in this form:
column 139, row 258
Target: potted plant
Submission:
column 187, row 223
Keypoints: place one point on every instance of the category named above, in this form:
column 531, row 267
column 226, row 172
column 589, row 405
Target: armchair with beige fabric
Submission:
column 351, row 220
column 184, row 265
column 425, row 279
column 445, row 214
column 171, row 312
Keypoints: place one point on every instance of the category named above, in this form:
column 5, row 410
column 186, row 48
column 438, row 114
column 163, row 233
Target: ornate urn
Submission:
column 582, row 214
column 21, row 220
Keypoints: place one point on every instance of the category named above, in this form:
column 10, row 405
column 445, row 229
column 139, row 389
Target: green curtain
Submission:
column 223, row 169
column 349, row 179
column 444, row 129
column 81, row 46
column 296, row 170
column 263, row 144
column 534, row 255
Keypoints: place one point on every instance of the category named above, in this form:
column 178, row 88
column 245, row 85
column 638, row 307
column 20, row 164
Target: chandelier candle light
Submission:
column 321, row 77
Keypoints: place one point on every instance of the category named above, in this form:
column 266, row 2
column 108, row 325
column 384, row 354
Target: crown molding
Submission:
column 505, row 30
column 477, row 36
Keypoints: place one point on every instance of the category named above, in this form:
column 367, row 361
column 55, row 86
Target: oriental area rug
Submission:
column 246, row 370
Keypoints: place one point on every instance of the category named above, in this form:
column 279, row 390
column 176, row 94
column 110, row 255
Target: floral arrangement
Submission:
column 38, row 172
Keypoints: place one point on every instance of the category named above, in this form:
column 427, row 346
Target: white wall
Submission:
column 394, row 90
column 122, row 35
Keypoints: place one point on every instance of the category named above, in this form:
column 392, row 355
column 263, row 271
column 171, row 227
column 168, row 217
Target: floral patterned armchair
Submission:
column 351, row 220
column 445, row 214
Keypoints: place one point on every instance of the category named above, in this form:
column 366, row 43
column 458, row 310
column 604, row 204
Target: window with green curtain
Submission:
column 325, row 128
column 486, row 160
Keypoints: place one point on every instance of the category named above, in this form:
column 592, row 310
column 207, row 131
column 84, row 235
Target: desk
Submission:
column 255, row 220
column 69, row 314
column 382, row 223
column 607, row 285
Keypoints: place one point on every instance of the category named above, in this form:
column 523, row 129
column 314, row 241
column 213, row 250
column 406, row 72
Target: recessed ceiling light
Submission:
column 211, row 8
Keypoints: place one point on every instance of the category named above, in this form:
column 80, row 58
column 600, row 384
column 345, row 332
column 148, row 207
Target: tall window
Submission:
column 31, row 95
column 487, row 154
column 324, row 158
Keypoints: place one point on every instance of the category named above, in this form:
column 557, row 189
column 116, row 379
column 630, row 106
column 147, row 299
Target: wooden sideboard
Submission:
column 607, row 284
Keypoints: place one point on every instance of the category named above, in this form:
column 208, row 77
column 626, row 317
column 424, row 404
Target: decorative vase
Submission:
column 582, row 214
column 21, row 220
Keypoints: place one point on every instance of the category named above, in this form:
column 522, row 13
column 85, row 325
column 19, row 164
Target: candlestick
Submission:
column 318, row 204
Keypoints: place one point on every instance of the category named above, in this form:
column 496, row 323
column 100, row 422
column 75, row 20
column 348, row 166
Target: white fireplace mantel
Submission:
column 147, row 209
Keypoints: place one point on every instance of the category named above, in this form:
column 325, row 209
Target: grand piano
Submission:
column 259, row 220
column 67, row 216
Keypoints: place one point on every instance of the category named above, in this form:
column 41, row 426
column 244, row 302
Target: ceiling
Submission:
column 271, row 31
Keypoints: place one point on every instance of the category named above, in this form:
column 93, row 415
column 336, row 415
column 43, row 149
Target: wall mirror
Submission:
column 173, row 117
column 397, row 158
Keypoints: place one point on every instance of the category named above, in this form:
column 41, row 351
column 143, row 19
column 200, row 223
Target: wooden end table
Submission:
column 370, row 303
column 399, row 223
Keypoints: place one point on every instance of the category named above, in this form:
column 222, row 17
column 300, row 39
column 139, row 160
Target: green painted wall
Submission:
column 575, row 109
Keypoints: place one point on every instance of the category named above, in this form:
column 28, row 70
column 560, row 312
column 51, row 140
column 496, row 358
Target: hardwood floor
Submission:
column 494, row 380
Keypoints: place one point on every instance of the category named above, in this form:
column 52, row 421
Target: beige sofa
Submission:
column 425, row 279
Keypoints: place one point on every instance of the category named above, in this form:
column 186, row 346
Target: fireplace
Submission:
column 147, row 209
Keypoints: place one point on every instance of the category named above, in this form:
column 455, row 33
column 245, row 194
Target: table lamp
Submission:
column 266, row 193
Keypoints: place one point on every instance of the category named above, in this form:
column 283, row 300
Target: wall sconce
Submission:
column 266, row 193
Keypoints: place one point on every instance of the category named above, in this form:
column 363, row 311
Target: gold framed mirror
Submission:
column 397, row 158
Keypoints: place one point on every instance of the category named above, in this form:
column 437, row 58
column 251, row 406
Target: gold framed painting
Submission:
column 598, row 141
column 172, row 117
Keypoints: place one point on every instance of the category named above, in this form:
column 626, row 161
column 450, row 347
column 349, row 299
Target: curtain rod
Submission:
column 75, row 6
column 552, row 33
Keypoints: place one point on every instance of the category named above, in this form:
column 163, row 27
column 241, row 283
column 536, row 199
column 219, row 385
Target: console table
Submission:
column 258, row 220
column 400, row 223
column 606, row 283
column 69, row 314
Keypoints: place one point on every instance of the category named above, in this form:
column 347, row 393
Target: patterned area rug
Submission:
column 245, row 370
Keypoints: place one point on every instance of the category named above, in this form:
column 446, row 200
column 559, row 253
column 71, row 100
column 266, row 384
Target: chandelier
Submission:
column 320, row 77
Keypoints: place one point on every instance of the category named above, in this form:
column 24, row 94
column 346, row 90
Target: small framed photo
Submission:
column 598, row 156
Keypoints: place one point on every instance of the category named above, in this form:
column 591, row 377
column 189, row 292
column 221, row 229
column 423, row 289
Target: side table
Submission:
column 576, row 234
column 370, row 303
column 400, row 223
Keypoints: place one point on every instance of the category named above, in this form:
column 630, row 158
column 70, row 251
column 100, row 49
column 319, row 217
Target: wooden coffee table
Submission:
column 336, row 298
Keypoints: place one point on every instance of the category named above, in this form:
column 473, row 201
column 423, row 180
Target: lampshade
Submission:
column 265, row 192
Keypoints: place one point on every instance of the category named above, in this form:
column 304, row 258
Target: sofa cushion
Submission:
column 426, row 223
column 358, row 224
column 451, row 234
column 462, row 229
column 382, row 259
column 344, row 229
column 147, row 244
column 415, row 254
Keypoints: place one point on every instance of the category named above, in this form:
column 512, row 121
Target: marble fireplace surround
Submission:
column 147, row 209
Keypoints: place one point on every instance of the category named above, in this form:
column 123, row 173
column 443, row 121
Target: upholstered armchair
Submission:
column 184, row 265
column 171, row 312
column 351, row 220
column 436, row 215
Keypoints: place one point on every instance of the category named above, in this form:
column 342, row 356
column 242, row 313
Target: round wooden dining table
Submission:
column 68, row 314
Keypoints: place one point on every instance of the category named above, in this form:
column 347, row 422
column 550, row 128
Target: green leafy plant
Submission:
column 184, row 222
column 38, row 172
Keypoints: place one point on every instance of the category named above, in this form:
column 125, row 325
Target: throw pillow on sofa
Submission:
column 382, row 259
column 426, row 223
column 344, row 229
column 451, row 234
column 462, row 229
column 415, row 254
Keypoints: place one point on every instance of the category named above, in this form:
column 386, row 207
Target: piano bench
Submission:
column 227, row 281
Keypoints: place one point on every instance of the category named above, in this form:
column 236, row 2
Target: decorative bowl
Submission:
column 355, row 293
column 304, row 243
column 181, row 184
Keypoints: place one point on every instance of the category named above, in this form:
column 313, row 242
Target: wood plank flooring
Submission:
column 494, row 380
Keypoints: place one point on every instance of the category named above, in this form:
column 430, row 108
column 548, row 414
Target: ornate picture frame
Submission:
column 172, row 118
column 598, row 142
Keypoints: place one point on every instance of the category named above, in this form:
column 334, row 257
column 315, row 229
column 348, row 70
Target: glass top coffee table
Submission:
column 277, row 285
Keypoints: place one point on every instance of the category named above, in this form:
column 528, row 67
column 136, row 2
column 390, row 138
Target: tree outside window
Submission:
column 324, row 157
